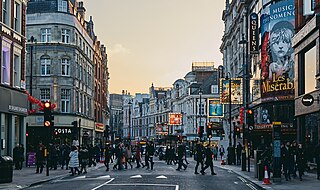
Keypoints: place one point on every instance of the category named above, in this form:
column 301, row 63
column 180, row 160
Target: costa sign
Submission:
column 63, row 131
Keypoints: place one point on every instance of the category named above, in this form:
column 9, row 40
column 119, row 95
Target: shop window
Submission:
column 310, row 63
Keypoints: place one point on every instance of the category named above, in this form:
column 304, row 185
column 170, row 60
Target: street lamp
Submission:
column 200, row 109
column 230, row 148
column 244, row 44
column 129, row 128
column 31, row 40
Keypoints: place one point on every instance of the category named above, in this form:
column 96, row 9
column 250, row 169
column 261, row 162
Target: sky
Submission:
column 156, row 41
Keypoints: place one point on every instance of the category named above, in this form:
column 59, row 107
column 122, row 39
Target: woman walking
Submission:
column 300, row 161
column 74, row 161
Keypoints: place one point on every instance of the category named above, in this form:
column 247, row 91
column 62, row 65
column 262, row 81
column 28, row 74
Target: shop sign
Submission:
column 63, row 130
column 17, row 109
column 99, row 127
column 175, row 118
column 254, row 34
column 307, row 100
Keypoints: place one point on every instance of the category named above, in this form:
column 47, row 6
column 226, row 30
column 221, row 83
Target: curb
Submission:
column 244, row 176
column 57, row 177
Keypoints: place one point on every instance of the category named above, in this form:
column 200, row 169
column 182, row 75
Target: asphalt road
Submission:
column 163, row 177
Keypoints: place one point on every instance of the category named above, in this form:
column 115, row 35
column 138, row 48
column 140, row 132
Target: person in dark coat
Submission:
column 285, row 159
column 239, row 151
column 84, row 159
column 150, row 153
column 301, row 161
column 209, row 157
column 317, row 155
column 40, row 157
column 107, row 155
column 198, row 157
column 221, row 152
column 16, row 156
column 181, row 153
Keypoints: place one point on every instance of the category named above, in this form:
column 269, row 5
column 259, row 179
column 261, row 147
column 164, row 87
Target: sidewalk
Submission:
column 309, row 182
column 27, row 177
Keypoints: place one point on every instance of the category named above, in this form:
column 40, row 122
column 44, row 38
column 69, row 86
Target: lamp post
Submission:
column 129, row 127
column 31, row 40
column 200, row 109
column 230, row 148
column 244, row 44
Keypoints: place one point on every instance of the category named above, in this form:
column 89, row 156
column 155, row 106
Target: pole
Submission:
column 79, row 134
column 200, row 112
column 31, row 75
column 230, row 148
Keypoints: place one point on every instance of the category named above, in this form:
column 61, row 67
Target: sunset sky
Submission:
column 156, row 41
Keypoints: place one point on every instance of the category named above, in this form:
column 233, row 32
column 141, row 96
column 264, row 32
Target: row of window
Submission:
column 82, row 101
column 46, row 67
column 6, row 12
column 46, row 37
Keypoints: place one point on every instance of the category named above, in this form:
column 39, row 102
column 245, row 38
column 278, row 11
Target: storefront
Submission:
column 98, row 137
column 13, row 110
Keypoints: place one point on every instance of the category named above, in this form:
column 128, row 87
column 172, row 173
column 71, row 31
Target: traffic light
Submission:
column 250, row 119
column 200, row 131
column 241, row 115
column 107, row 131
column 209, row 130
column 237, row 131
column 48, row 118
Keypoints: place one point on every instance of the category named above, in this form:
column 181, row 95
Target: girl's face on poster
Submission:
column 281, row 42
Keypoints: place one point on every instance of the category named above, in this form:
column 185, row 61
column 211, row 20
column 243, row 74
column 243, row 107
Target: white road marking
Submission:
column 103, row 177
column 143, row 184
column 80, row 177
column 103, row 184
column 161, row 177
column 230, row 171
column 235, row 182
column 251, row 186
column 242, row 179
column 136, row 176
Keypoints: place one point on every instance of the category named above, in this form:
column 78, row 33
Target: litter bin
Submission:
column 257, row 159
column 6, row 168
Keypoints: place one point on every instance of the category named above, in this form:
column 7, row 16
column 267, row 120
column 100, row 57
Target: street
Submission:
column 163, row 177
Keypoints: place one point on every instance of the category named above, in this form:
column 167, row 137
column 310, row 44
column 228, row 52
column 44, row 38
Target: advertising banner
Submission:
column 254, row 34
column 215, row 108
column 236, row 91
column 175, row 118
column 277, row 54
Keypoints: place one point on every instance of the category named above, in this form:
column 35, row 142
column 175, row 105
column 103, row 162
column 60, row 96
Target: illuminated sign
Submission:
column 175, row 118
column 236, row 91
column 215, row 108
column 254, row 34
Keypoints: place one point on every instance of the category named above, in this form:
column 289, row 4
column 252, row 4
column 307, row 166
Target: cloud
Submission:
column 119, row 49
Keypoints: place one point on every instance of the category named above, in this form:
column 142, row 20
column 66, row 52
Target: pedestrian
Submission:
column 239, row 151
column 119, row 155
column 301, row 161
column 285, row 160
column 150, row 152
column 74, row 160
column 84, row 159
column 215, row 152
column 107, row 155
column 40, row 157
column 65, row 151
column 181, row 152
column 138, row 157
column 198, row 157
column 21, row 156
column 127, row 156
column 208, row 162
column 16, row 157
column 185, row 154
column 317, row 155
column 221, row 152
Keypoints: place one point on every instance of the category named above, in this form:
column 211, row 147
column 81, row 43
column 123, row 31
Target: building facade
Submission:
column 13, row 103
column 62, row 60
column 306, row 43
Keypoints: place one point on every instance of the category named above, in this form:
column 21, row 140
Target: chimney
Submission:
column 81, row 10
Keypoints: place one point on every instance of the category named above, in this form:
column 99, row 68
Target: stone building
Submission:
column 62, row 60
column 306, row 45
column 13, row 102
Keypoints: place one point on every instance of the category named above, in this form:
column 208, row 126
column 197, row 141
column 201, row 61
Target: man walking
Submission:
column 181, row 152
column 39, row 158
column 209, row 156
column 198, row 157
